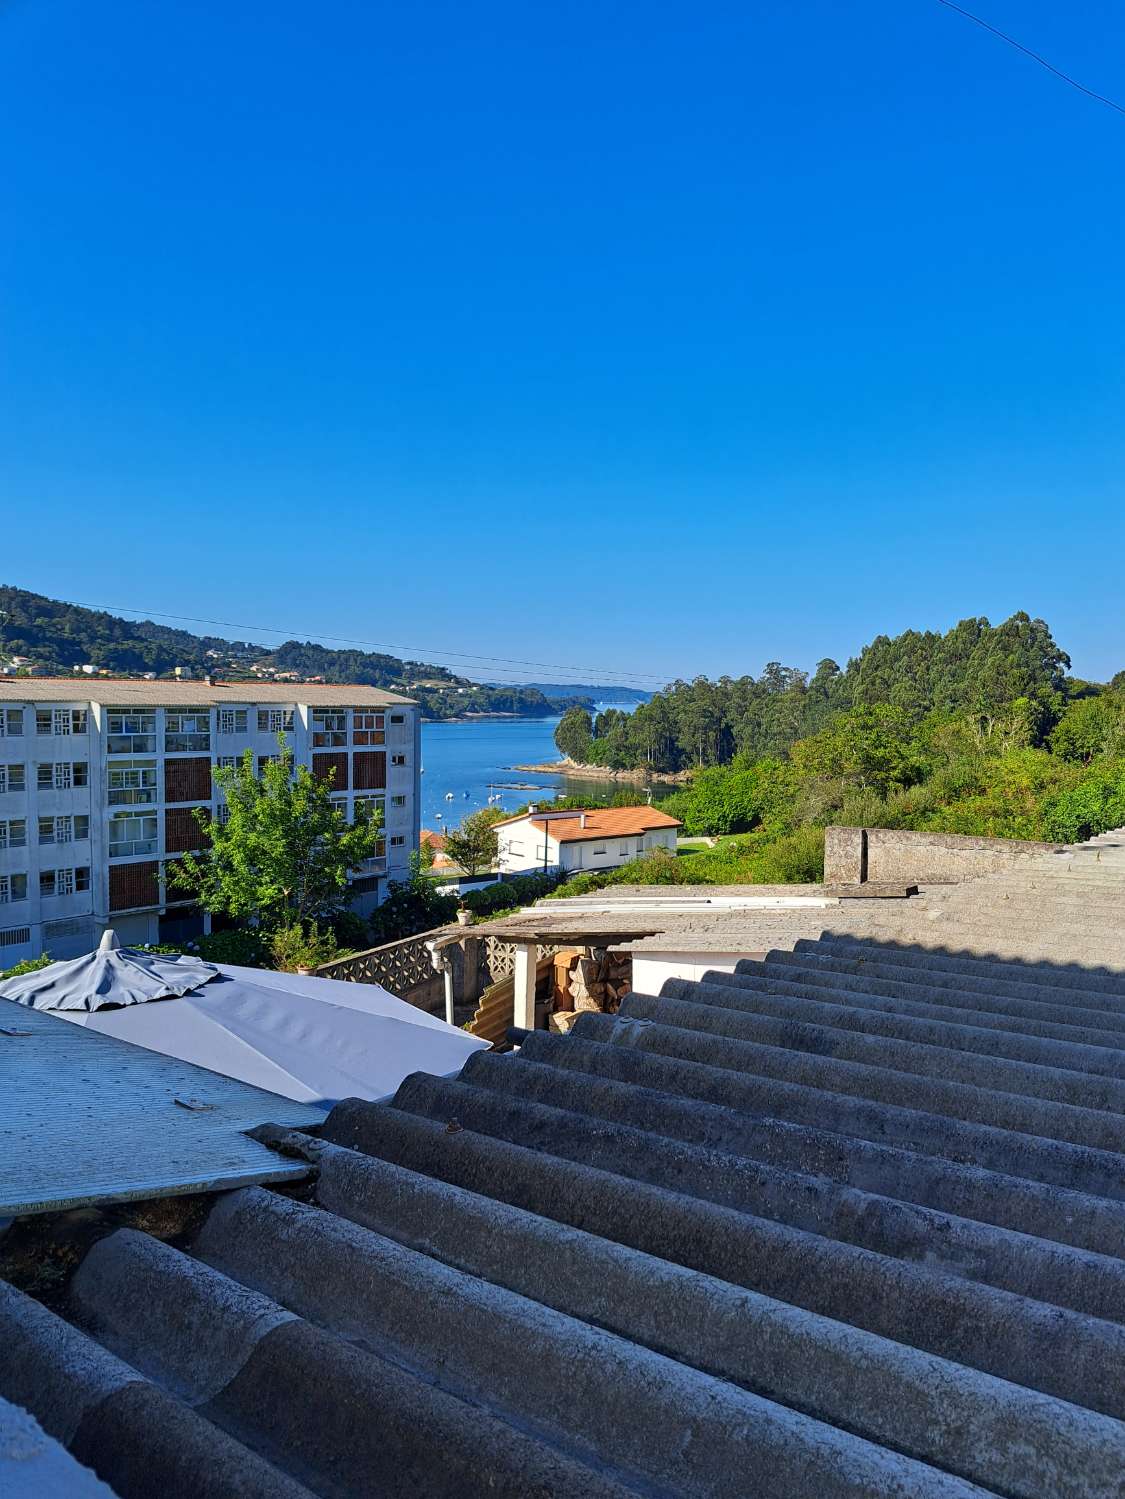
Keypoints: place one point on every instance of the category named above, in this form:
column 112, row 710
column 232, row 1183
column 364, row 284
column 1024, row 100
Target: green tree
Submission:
column 573, row 734
column 473, row 844
column 285, row 851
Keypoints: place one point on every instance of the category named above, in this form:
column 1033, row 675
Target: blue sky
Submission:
column 649, row 338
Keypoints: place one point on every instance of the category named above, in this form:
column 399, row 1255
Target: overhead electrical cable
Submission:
column 1035, row 56
column 424, row 656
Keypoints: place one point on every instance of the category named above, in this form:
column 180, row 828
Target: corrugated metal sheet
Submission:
column 85, row 1119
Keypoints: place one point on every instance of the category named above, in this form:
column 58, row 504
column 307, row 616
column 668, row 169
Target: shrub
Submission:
column 246, row 947
column 26, row 965
column 1094, row 806
column 508, row 895
column 295, row 947
column 352, row 933
column 412, row 906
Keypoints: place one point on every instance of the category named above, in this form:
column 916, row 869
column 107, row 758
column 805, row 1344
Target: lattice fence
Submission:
column 498, row 957
column 399, row 966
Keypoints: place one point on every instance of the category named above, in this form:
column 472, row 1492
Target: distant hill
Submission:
column 594, row 692
column 59, row 636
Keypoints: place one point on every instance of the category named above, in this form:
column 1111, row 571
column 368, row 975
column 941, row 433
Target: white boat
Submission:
column 449, row 796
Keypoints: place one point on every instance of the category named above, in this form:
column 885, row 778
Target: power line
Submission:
column 1035, row 57
column 502, row 662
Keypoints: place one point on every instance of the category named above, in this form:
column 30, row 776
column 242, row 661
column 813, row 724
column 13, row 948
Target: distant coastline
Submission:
column 639, row 774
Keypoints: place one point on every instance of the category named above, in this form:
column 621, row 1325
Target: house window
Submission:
column 11, row 723
column 624, row 848
column 184, row 733
column 367, row 728
column 640, row 845
column 398, row 841
column 514, row 846
column 132, row 783
column 597, row 851
column 275, row 720
column 398, row 717
column 132, row 833
column 232, row 720
column 13, row 887
column 12, row 778
column 330, row 728
column 131, row 733
column 13, row 833
column 398, row 801
column 398, row 759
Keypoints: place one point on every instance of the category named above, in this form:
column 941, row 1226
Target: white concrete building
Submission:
column 99, row 782
column 601, row 838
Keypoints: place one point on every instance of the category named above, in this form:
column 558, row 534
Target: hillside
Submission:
column 59, row 636
column 598, row 692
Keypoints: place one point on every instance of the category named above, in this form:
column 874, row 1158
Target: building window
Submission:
column 185, row 733
column 64, row 881
column 597, row 851
column 63, row 829
column 132, row 833
column 264, row 760
column 398, row 841
column 514, row 846
column 131, row 733
column 132, row 784
column 222, row 814
column 13, row 833
column 330, row 728
column 11, row 723
column 227, row 762
column 398, row 717
column 398, row 801
column 367, row 728
column 13, row 887
column 62, row 776
column 398, row 759
column 640, row 845
column 275, row 720
column 232, row 721
column 373, row 804
column 60, row 720
column 12, row 778
column 624, row 849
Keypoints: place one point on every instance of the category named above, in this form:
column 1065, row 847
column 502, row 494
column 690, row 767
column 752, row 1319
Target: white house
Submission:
column 601, row 838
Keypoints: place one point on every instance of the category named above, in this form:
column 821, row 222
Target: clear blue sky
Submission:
column 664, row 338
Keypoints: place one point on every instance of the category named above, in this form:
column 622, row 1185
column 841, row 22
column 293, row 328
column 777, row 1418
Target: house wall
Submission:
column 520, row 848
column 126, row 890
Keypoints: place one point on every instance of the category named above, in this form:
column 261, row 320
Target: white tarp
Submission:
column 311, row 1039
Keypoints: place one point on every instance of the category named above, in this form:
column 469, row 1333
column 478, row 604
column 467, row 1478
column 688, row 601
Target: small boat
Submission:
column 449, row 796
column 466, row 795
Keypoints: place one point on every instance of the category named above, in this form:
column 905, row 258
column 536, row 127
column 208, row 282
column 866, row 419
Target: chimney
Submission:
column 209, row 679
column 582, row 819
column 532, row 809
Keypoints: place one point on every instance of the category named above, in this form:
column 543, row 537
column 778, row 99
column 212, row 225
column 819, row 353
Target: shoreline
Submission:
column 603, row 773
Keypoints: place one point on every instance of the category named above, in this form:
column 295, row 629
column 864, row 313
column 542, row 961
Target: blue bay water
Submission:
column 470, row 759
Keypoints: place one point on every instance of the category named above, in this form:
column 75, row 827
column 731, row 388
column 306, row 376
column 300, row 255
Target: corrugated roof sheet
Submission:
column 787, row 1232
column 88, row 1119
column 189, row 694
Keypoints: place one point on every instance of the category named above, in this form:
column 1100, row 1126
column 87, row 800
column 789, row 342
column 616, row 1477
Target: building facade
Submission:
column 100, row 782
column 601, row 838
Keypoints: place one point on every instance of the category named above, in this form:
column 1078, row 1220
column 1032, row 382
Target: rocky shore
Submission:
column 639, row 775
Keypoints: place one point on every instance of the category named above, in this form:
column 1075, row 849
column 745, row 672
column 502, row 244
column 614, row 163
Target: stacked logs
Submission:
column 589, row 978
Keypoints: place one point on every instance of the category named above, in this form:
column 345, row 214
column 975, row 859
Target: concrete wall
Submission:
column 853, row 856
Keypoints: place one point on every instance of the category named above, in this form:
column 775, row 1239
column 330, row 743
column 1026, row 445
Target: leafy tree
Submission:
column 573, row 734
column 1089, row 728
column 473, row 844
column 284, row 854
column 412, row 905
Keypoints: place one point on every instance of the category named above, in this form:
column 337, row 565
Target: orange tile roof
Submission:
column 601, row 822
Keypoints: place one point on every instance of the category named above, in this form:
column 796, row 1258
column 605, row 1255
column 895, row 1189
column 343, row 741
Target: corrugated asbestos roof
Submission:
column 189, row 694
column 847, row 1222
column 88, row 1119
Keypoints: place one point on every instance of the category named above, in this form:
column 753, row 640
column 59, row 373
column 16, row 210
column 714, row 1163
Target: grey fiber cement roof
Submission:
column 846, row 1222
column 87, row 1119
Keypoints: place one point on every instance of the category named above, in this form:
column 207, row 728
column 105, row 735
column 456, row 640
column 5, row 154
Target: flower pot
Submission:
column 464, row 918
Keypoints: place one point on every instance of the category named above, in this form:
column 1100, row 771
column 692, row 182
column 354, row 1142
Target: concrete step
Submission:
column 1101, row 1051
column 1081, row 1173
column 691, row 1431
column 1047, row 1349
column 355, row 1423
column 688, row 1032
column 934, row 1411
column 949, row 1052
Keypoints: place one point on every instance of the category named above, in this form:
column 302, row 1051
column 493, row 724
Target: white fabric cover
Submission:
column 311, row 1039
column 112, row 975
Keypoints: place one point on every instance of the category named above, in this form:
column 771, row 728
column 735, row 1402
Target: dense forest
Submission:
column 978, row 731
column 60, row 636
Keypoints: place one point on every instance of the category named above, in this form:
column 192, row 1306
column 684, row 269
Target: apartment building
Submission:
column 99, row 782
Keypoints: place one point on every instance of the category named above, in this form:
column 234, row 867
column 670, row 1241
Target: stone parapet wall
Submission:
column 856, row 856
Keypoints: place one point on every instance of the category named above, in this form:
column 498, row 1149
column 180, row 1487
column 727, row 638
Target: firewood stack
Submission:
column 588, row 979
